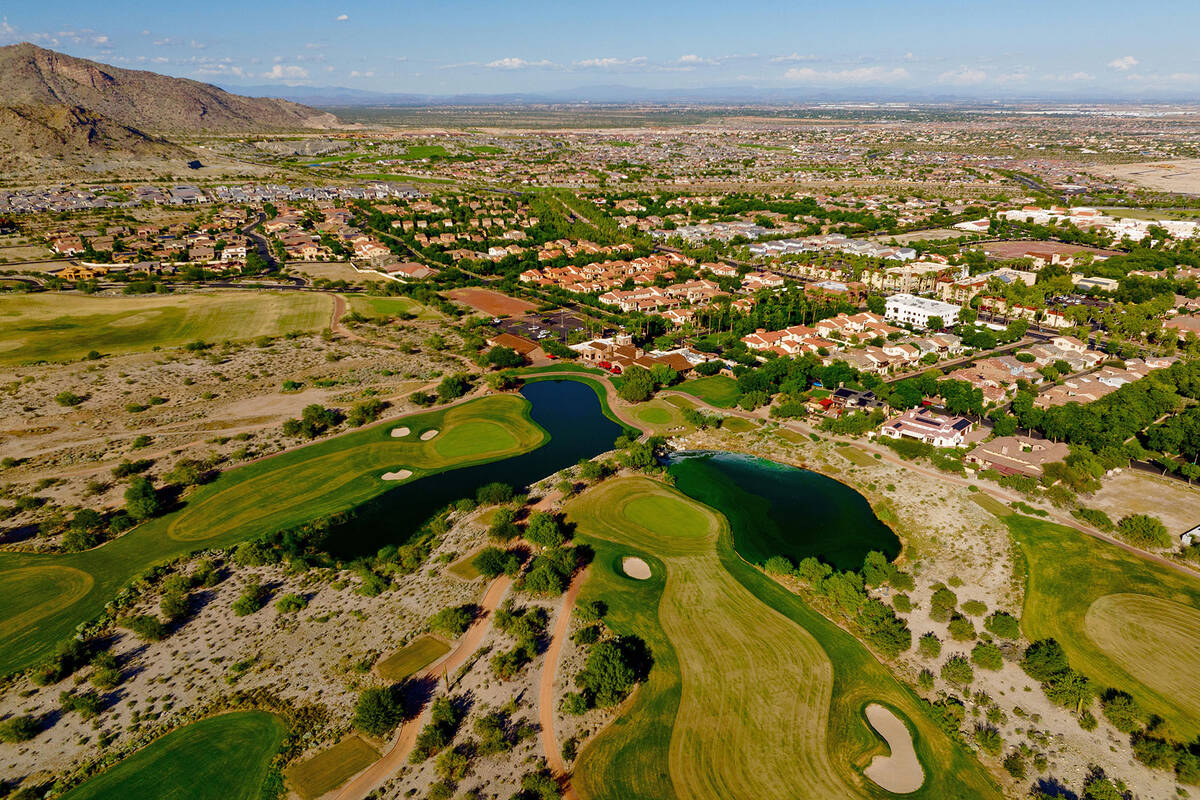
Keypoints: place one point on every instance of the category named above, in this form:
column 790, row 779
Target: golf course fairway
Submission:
column 1125, row 622
column 220, row 758
column 752, row 694
column 43, row 597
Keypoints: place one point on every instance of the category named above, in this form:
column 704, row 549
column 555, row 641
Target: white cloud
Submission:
column 1069, row 77
column 692, row 59
column 1012, row 77
column 963, row 76
column 857, row 75
column 1123, row 63
column 343, row 17
column 220, row 69
column 794, row 58
column 356, row 74
column 517, row 63
column 610, row 63
column 286, row 72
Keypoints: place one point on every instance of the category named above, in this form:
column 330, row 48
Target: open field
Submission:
column 376, row 307
column 1125, row 622
column 1172, row 501
column 330, row 768
column 219, row 758
column 43, row 597
column 1164, row 176
column 65, row 327
column 718, row 390
column 778, row 717
column 413, row 657
column 490, row 302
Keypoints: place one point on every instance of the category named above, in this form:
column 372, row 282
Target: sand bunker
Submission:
column 900, row 772
column 398, row 475
column 429, row 434
column 635, row 568
column 398, row 432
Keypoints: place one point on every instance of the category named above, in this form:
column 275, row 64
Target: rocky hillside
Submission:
column 147, row 101
column 56, row 109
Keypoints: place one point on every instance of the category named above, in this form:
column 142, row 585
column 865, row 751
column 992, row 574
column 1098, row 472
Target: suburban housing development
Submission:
column 394, row 410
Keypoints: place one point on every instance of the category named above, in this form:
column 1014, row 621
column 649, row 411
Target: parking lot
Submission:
column 542, row 326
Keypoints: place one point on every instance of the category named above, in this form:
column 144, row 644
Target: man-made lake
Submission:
column 775, row 509
column 568, row 410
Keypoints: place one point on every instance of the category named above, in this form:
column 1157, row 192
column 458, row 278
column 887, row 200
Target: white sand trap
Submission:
column 635, row 568
column 398, row 475
column 398, row 432
column 429, row 434
column 900, row 772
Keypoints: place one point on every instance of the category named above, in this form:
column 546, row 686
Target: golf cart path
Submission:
column 375, row 775
column 546, row 691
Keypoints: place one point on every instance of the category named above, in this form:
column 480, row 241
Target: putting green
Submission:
column 1138, row 619
column 220, row 758
column 743, row 700
column 662, row 417
column 44, row 597
column 474, row 437
column 56, row 327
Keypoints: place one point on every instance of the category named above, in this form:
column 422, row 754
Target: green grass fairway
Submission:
column 1125, row 622
column 738, row 425
column 661, row 417
column 219, row 758
column 329, row 769
column 383, row 307
column 414, row 656
column 744, row 700
column 43, row 597
column 65, row 327
column 716, row 390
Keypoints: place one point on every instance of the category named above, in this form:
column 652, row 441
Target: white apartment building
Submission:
column 912, row 310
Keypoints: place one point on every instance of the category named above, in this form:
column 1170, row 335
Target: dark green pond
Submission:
column 775, row 509
column 569, row 411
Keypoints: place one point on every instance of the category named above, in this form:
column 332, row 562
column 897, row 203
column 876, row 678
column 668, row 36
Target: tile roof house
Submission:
column 1017, row 455
column 926, row 426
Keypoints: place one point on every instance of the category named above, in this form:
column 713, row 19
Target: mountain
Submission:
column 61, row 109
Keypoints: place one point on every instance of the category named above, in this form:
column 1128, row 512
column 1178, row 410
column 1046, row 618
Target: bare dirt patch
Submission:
column 635, row 568
column 901, row 771
column 1174, row 502
column 1165, row 176
column 490, row 302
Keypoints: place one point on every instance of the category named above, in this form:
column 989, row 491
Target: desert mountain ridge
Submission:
column 56, row 110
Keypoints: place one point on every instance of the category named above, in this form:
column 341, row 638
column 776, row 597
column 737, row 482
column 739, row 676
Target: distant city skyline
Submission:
column 955, row 49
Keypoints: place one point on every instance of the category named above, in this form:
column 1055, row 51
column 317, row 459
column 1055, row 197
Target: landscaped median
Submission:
column 44, row 597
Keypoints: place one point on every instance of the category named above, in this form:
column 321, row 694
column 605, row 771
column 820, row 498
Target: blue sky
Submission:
column 1122, row 49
